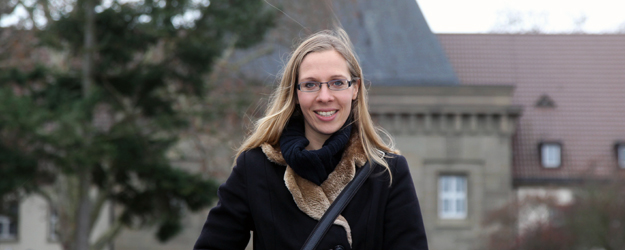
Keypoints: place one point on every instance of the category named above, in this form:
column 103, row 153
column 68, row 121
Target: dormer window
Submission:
column 545, row 101
column 620, row 154
column 551, row 154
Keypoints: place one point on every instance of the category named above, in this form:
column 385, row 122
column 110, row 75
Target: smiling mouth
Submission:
column 326, row 113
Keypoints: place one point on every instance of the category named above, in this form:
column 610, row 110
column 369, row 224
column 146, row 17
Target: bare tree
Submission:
column 511, row 21
column 595, row 219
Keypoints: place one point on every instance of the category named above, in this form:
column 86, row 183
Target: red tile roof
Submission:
column 584, row 75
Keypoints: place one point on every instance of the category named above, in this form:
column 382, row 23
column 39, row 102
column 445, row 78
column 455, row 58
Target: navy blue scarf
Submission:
column 313, row 165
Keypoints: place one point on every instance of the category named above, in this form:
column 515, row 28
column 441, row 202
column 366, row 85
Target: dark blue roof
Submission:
column 392, row 40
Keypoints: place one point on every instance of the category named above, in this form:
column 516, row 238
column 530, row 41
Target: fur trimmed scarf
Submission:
column 314, row 199
column 314, row 165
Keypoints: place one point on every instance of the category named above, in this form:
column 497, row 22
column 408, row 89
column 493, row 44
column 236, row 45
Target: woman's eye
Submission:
column 338, row 83
column 310, row 85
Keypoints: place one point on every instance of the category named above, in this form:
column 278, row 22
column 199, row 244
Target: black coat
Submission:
column 255, row 198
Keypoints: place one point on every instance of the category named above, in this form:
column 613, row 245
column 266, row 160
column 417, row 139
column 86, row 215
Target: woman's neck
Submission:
column 315, row 142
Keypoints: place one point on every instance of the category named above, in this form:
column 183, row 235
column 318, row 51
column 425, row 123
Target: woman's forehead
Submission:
column 324, row 64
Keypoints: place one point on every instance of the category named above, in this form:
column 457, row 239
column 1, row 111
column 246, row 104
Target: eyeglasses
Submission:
column 339, row 84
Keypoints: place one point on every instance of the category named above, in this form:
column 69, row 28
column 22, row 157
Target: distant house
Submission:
column 532, row 114
column 572, row 90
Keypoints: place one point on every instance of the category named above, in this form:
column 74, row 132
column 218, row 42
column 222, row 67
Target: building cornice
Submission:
column 445, row 109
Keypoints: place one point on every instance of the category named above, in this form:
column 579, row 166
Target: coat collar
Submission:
column 315, row 200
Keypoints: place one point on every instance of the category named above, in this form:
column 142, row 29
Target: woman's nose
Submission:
column 325, row 94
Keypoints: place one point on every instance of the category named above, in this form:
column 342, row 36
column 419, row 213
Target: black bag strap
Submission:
column 336, row 208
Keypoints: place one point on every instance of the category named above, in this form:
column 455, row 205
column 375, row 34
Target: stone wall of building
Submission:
column 461, row 131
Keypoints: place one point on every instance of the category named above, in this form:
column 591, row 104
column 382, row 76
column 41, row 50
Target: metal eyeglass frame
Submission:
column 349, row 84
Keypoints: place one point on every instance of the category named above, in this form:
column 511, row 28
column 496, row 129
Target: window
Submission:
column 54, row 226
column 452, row 197
column 8, row 221
column 620, row 154
column 551, row 154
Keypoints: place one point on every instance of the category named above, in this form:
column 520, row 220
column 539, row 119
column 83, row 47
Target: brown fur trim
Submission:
column 273, row 154
column 315, row 200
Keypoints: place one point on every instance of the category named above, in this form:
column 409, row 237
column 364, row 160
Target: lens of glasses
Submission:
column 339, row 84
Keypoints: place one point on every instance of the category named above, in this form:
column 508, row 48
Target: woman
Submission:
column 316, row 134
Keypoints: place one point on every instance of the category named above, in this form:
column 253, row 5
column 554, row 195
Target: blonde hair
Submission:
column 282, row 103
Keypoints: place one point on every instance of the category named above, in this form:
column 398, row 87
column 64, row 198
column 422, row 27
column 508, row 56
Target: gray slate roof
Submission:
column 392, row 40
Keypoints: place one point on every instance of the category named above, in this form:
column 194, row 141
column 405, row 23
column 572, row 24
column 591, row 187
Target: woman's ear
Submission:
column 355, row 92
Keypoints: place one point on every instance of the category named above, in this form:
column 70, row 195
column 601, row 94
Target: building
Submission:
column 571, row 89
column 457, row 140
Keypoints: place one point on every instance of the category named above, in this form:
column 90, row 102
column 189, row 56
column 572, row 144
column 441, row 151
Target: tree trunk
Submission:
column 87, row 58
column 83, row 214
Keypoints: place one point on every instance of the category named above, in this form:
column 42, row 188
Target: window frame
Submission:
column 53, row 225
column 619, row 151
column 542, row 154
column 454, row 195
column 8, row 221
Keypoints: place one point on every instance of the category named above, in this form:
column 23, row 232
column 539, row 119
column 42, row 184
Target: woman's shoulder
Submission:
column 264, row 152
column 391, row 157
column 253, row 154
column 396, row 162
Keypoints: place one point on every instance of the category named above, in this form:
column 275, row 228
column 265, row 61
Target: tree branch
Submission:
column 258, row 53
column 126, row 104
column 12, row 9
column 46, row 9
column 31, row 14
column 100, row 199
column 97, row 208
column 107, row 236
column 223, row 60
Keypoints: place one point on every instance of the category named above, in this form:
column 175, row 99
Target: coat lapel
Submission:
column 315, row 200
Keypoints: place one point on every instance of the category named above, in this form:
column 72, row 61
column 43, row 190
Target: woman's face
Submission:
column 325, row 111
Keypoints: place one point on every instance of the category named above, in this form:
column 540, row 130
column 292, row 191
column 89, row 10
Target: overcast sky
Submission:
column 550, row 16
column 482, row 16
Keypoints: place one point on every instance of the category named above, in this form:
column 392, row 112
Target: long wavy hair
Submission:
column 282, row 103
